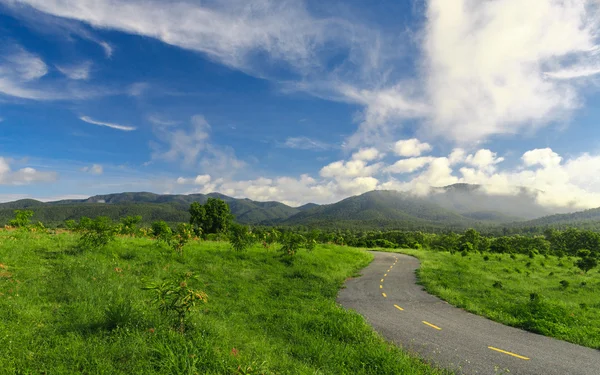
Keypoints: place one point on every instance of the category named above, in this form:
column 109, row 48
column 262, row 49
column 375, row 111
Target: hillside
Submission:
column 381, row 209
column 588, row 219
column 171, row 208
column 473, row 201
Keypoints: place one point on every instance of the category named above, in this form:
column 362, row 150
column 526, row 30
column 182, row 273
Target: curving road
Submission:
column 388, row 297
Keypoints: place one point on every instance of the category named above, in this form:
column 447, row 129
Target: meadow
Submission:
column 64, row 310
column 543, row 294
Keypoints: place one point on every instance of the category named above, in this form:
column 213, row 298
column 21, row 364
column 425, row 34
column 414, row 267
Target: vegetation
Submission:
column 544, row 294
column 211, row 311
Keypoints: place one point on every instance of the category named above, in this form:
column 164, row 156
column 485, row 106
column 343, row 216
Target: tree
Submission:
column 212, row 217
column 21, row 219
column 240, row 237
column 129, row 224
column 587, row 261
column 161, row 231
column 97, row 233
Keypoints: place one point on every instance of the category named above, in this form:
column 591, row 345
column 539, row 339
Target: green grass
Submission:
column 521, row 292
column 65, row 312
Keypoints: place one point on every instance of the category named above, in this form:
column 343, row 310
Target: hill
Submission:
column 381, row 209
column 152, row 207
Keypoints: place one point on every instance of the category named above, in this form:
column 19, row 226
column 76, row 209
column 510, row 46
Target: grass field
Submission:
column 64, row 312
column 546, row 295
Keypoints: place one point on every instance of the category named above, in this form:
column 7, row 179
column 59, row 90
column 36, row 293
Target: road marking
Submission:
column 384, row 295
column 380, row 286
column 399, row 308
column 388, row 270
column 381, row 280
column 509, row 353
column 431, row 325
column 385, row 275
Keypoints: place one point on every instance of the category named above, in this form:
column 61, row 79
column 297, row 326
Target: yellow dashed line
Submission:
column 431, row 325
column 399, row 308
column 384, row 295
column 381, row 280
column 388, row 270
column 380, row 286
column 385, row 275
column 509, row 353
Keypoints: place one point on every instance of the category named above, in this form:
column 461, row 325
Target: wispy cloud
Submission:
column 78, row 71
column 94, row 169
column 579, row 72
column 108, row 49
column 305, row 143
column 107, row 124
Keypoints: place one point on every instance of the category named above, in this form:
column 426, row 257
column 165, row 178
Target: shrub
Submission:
column 21, row 219
column 564, row 284
column 174, row 297
column 240, row 237
column 291, row 243
column 161, row 231
column 498, row 285
column 97, row 233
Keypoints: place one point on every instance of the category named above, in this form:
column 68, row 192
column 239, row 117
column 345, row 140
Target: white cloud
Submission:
column 486, row 63
column 411, row 147
column 138, row 89
column 347, row 169
column 577, row 72
column 198, row 180
column 94, row 169
column 192, row 147
column 483, row 159
column 305, row 143
column 18, row 69
column 77, row 72
column 458, row 155
column 367, row 154
column 409, row 165
column 24, row 176
column 544, row 157
column 108, row 49
column 107, row 124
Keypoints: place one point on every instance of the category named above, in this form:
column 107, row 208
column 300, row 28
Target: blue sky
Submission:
column 299, row 101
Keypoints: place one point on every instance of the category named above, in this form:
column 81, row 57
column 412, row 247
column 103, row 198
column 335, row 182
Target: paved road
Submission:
column 387, row 296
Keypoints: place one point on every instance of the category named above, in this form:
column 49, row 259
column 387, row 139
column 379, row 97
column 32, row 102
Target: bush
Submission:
column 96, row 233
column 240, row 237
column 174, row 297
column 161, row 231
column 564, row 284
column 21, row 219
column 291, row 243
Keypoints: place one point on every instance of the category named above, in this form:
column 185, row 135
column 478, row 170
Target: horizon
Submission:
column 299, row 102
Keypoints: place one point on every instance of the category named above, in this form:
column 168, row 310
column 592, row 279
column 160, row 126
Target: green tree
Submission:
column 161, row 231
column 240, row 237
column 587, row 261
column 129, row 224
column 21, row 219
column 212, row 217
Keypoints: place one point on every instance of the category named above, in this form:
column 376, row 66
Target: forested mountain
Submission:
column 381, row 209
column 454, row 207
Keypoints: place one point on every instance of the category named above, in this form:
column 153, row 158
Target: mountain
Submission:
column 475, row 202
column 588, row 219
column 381, row 209
column 152, row 207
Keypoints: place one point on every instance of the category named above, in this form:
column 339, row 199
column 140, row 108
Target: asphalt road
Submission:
column 388, row 297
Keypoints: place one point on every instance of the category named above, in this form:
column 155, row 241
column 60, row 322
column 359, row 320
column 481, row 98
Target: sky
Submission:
column 299, row 101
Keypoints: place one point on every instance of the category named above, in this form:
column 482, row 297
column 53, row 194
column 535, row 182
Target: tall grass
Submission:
column 64, row 312
column 546, row 295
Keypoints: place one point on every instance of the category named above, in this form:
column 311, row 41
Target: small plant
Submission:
column 161, row 231
column 96, row 233
column 564, row 284
column 498, row 285
column 183, row 234
column 513, row 256
column 240, row 237
column 486, row 258
column 175, row 298
column 291, row 243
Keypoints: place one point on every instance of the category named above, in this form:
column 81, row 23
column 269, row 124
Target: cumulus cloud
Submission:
column 367, row 154
column 484, row 159
column 411, row 147
column 76, row 72
column 351, row 168
column 89, row 120
column 24, row 176
column 544, row 157
column 409, row 165
column 487, row 63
